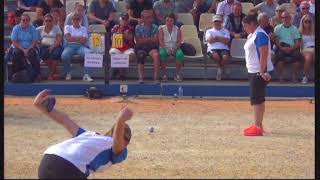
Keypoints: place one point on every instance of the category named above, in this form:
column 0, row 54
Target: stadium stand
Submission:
column 205, row 21
column 185, row 18
column 189, row 31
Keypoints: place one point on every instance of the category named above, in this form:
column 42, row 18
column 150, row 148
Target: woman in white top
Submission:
column 50, row 45
column 258, row 62
column 87, row 151
column 170, row 38
column 307, row 31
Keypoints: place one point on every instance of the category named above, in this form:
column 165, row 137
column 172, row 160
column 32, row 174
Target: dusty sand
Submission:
column 192, row 139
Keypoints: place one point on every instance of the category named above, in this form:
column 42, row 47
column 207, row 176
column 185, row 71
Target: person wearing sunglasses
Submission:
column 288, row 40
column 87, row 151
column 50, row 45
column 304, row 7
column 276, row 20
column 308, row 43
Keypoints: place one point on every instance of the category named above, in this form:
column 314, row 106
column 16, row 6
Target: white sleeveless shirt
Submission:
column 170, row 39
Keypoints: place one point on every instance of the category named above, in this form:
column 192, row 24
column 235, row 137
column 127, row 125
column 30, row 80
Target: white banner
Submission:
column 119, row 60
column 93, row 60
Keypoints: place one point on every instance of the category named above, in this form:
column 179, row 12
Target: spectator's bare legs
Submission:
column 178, row 67
column 217, row 58
column 308, row 59
column 258, row 114
column 225, row 59
column 49, row 63
column 156, row 63
column 280, row 66
column 141, row 72
column 164, row 67
column 296, row 69
column 54, row 67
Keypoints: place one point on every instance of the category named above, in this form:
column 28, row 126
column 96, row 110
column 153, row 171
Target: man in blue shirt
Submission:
column 24, row 39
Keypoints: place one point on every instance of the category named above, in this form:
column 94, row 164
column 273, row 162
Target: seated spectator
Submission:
column 264, row 23
column 253, row 12
column 50, row 37
column 312, row 7
column 268, row 7
column 276, row 20
column 304, row 6
column 102, row 12
column 283, row 1
column 147, row 42
column 161, row 9
column 127, row 47
column 24, row 39
column 26, row 5
column 199, row 7
column 218, row 40
column 183, row 6
column 295, row 7
column 288, row 40
column 135, row 8
column 55, row 13
column 80, row 10
column 13, row 19
column 308, row 42
column 44, row 7
column 225, row 7
column 234, row 22
column 170, row 38
column 212, row 4
column 76, row 36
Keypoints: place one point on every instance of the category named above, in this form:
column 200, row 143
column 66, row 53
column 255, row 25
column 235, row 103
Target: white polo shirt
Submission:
column 255, row 40
column 217, row 33
column 88, row 151
column 80, row 32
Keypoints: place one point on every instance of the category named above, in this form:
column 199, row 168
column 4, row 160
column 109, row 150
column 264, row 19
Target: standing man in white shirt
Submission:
column 218, row 40
column 258, row 62
column 87, row 151
column 224, row 8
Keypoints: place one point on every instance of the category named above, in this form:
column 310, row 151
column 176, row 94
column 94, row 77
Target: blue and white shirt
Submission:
column 254, row 41
column 88, row 151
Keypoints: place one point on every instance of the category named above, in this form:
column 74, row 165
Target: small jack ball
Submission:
column 151, row 129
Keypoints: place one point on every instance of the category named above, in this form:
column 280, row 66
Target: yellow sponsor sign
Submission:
column 96, row 40
column 117, row 40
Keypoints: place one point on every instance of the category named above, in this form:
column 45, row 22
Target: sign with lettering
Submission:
column 117, row 40
column 119, row 60
column 93, row 60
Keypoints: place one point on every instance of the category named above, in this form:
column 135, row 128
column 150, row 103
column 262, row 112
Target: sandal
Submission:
column 178, row 78
column 164, row 78
column 56, row 77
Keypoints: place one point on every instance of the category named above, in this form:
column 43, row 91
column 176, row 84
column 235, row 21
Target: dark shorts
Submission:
column 54, row 55
column 220, row 52
column 257, row 89
column 55, row 167
column 142, row 51
column 288, row 58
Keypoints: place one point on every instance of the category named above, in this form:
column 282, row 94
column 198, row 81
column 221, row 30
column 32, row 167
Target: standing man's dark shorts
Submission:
column 143, row 50
column 257, row 88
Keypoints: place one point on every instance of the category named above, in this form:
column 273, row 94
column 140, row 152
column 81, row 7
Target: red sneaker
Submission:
column 253, row 131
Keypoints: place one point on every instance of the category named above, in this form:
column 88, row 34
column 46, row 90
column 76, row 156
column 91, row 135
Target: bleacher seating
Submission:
column 236, row 49
column 185, row 18
column 70, row 5
column 246, row 6
column 33, row 16
column 121, row 6
column 205, row 21
column 287, row 6
column 189, row 31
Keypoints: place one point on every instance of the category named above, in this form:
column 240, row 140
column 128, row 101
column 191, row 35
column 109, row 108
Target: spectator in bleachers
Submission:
column 225, row 7
column 27, row 5
column 253, row 12
column 102, row 12
column 199, row 7
column 218, row 44
column 13, row 19
column 77, row 37
column 276, row 20
column 256, row 2
column 283, row 1
column 24, row 39
column 308, row 42
column 264, row 23
column 312, row 6
column 183, row 6
column 80, row 10
column 135, row 8
column 295, row 7
column 212, row 4
column 305, row 7
column 268, row 6
column 50, row 37
column 44, row 7
column 127, row 47
column 288, row 41
column 234, row 22
column 55, row 13
column 162, row 8
column 147, row 43
column 170, row 38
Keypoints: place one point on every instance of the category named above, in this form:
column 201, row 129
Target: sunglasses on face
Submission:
column 304, row 8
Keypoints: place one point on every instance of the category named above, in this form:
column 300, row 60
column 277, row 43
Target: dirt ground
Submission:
column 192, row 138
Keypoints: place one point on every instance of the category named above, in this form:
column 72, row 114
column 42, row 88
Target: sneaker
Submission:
column 140, row 81
column 178, row 78
column 68, row 77
column 164, row 78
column 87, row 78
column 304, row 80
column 219, row 74
column 253, row 131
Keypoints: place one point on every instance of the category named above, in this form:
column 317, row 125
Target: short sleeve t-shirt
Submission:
column 163, row 10
column 146, row 32
column 269, row 9
column 48, row 39
column 82, row 31
column 88, row 151
column 139, row 7
column 24, row 36
column 183, row 6
column 287, row 34
column 217, row 33
column 46, row 8
column 30, row 3
column 100, row 12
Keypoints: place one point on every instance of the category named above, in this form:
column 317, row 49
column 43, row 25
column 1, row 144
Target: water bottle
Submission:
column 180, row 92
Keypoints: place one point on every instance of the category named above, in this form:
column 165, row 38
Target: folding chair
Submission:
column 246, row 6
column 205, row 21
column 121, row 6
column 185, row 18
column 71, row 4
column 236, row 49
column 189, row 31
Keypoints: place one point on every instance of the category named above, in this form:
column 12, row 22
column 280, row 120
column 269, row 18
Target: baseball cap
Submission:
column 127, row 132
column 217, row 18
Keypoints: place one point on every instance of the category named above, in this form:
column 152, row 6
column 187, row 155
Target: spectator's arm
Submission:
column 58, row 40
column 161, row 38
column 112, row 15
column 130, row 13
column 94, row 18
column 220, row 8
column 213, row 7
column 179, row 38
column 21, row 5
column 224, row 40
column 16, row 44
column 70, row 38
column 39, row 13
column 57, row 116
column 297, row 44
